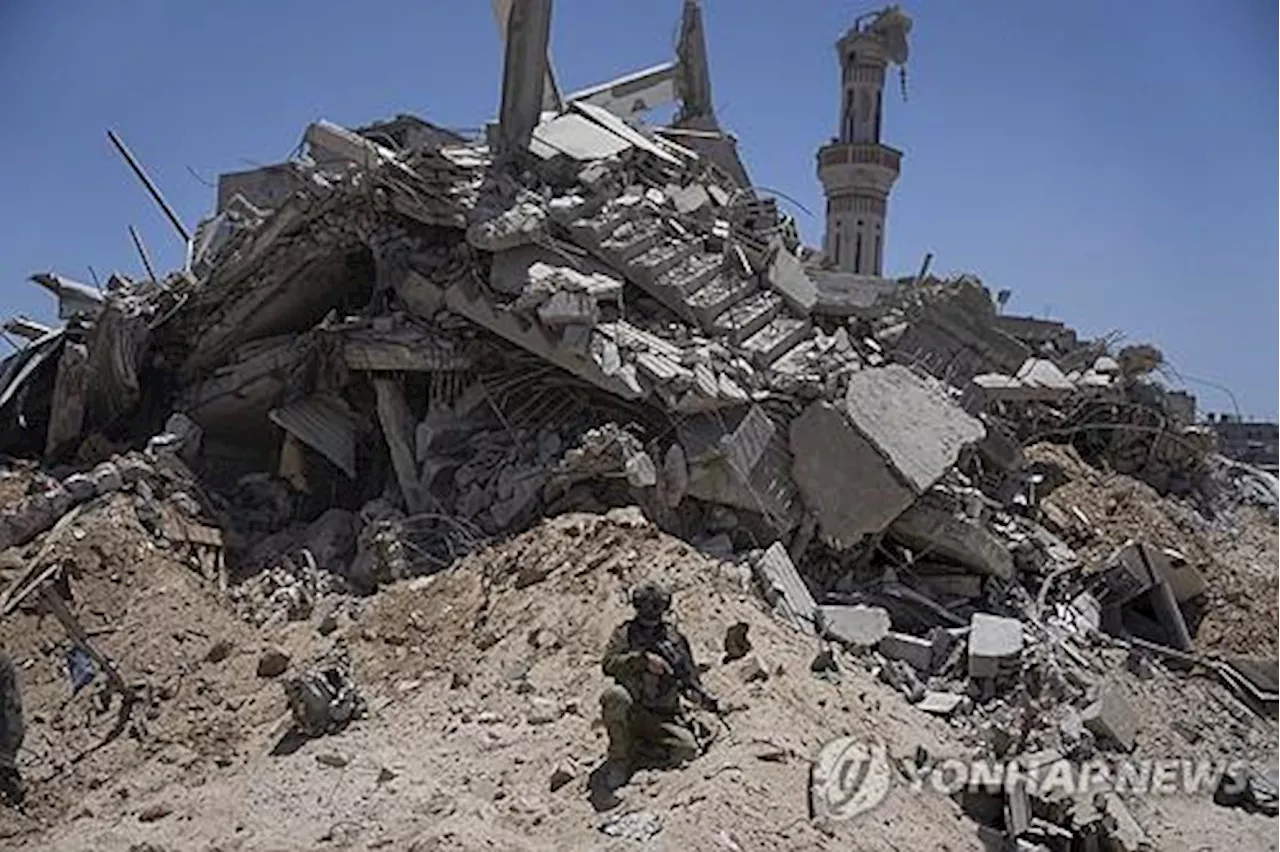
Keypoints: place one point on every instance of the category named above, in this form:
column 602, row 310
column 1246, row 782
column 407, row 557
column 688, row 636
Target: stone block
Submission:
column 788, row 279
column 858, row 625
column 912, row 650
column 995, row 645
column 861, row 464
column 80, row 487
column 1112, row 719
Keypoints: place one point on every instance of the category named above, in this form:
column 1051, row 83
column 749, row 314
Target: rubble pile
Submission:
column 381, row 356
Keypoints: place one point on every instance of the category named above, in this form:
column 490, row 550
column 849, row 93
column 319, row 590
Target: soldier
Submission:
column 12, row 730
column 652, row 665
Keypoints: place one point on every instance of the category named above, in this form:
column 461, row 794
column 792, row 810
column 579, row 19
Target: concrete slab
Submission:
column 1112, row 719
column 860, row 465
column 995, row 645
column 788, row 279
column 859, row 625
column 784, row 586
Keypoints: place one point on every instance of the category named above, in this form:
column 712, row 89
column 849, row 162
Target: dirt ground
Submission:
column 482, row 682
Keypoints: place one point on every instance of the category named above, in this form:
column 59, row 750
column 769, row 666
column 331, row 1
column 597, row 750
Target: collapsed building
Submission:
column 405, row 342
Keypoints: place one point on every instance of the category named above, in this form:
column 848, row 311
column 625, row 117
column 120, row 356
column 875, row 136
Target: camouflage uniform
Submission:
column 12, row 729
column 641, row 710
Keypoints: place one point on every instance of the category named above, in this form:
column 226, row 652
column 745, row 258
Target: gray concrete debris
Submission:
column 940, row 703
column 995, row 646
column 912, row 650
column 933, row 530
column 1112, row 720
column 859, row 465
column 784, row 588
column 858, row 625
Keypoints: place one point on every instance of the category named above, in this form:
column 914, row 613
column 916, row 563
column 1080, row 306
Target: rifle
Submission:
column 686, row 675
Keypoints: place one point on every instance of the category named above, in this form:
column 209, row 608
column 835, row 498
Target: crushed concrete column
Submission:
column 861, row 463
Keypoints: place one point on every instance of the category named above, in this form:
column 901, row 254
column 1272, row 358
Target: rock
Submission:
column 273, row 663
column 543, row 711
column 857, row 625
column 824, row 661
column 386, row 775
column 995, row 645
column 560, row 776
column 736, row 643
column 460, row 680
column 218, row 651
column 332, row 759
column 753, row 670
column 638, row 826
column 151, row 813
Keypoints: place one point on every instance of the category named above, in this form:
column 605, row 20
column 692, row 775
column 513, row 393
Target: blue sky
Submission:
column 1111, row 163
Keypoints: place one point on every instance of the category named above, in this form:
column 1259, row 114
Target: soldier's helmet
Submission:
column 651, row 601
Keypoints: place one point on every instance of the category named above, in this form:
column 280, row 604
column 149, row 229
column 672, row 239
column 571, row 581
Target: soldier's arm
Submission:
column 619, row 656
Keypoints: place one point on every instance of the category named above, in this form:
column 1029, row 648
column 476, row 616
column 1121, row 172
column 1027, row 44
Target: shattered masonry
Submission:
column 404, row 343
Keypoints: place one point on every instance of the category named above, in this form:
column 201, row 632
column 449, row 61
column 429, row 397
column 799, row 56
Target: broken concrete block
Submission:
column 928, row 527
column 903, row 678
column 940, row 703
column 912, row 650
column 858, row 625
column 740, row 459
column 272, row 663
column 954, row 585
column 783, row 586
column 995, row 645
column 1127, row 574
column 861, row 464
column 1112, row 719
column 1184, row 580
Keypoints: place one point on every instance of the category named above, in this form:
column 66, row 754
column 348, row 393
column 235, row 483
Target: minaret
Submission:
column 856, row 169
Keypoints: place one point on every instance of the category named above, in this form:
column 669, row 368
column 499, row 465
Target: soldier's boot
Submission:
column 11, row 787
column 616, row 710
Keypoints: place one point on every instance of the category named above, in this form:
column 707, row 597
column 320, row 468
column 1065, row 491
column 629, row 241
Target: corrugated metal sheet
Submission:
column 324, row 423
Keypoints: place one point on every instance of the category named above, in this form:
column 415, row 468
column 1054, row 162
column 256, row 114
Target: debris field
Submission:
column 382, row 459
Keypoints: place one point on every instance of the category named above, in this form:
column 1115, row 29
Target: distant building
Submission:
column 1250, row 441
